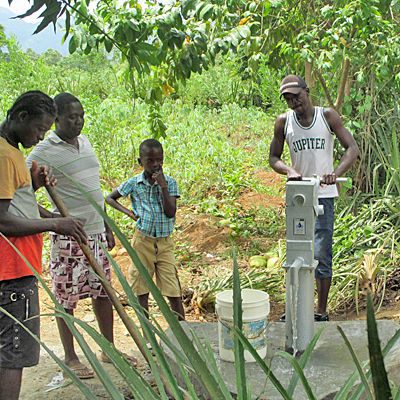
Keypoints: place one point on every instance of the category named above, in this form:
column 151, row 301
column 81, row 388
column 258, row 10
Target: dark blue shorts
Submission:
column 323, row 239
column 19, row 297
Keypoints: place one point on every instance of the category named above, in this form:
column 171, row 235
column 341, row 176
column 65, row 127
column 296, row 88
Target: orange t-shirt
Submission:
column 16, row 185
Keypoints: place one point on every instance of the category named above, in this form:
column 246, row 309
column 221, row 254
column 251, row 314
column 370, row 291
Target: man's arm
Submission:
column 276, row 150
column 346, row 140
column 109, row 234
column 12, row 225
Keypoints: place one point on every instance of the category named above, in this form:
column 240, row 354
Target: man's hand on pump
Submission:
column 329, row 179
column 294, row 176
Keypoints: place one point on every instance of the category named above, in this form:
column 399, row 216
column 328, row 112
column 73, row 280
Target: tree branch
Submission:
column 326, row 91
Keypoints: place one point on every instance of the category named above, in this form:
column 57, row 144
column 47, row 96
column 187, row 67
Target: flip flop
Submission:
column 132, row 360
column 321, row 317
column 150, row 347
column 82, row 371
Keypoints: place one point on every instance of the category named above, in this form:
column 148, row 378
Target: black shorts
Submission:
column 19, row 297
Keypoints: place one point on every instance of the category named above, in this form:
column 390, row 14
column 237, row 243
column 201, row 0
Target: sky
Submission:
column 19, row 7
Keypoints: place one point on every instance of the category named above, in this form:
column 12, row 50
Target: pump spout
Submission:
column 294, row 271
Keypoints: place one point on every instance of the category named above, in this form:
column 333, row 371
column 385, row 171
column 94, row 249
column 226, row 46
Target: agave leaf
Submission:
column 207, row 354
column 134, row 380
column 299, row 372
column 263, row 365
column 385, row 351
column 197, row 363
column 82, row 387
column 238, row 324
column 379, row 374
column 303, row 361
column 132, row 299
column 91, row 357
column 358, row 365
column 348, row 385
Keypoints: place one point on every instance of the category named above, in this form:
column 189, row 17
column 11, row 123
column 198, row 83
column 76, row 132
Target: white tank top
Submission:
column 311, row 148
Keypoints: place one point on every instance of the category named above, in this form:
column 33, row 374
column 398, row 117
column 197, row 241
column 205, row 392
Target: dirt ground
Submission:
column 200, row 236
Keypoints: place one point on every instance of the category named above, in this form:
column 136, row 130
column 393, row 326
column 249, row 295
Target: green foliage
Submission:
column 229, row 82
column 379, row 374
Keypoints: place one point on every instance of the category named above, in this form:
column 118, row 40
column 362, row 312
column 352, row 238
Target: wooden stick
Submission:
column 129, row 324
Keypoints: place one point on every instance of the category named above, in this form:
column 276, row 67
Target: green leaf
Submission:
column 74, row 42
column 358, row 365
column 244, row 31
column 205, row 10
column 238, row 324
column 83, row 8
column 186, row 6
column 87, row 50
column 145, row 46
column 67, row 24
column 45, row 22
column 347, row 108
column 108, row 44
column 134, row 25
column 379, row 374
column 36, row 6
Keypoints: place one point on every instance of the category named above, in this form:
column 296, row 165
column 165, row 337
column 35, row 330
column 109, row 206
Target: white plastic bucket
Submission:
column 255, row 307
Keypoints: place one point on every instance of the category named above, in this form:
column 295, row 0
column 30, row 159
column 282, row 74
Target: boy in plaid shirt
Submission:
column 153, row 197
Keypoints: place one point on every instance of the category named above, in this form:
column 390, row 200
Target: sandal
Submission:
column 321, row 317
column 317, row 317
column 150, row 348
column 132, row 360
column 82, row 371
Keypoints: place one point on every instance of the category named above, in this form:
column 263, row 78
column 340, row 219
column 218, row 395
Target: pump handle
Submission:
column 342, row 179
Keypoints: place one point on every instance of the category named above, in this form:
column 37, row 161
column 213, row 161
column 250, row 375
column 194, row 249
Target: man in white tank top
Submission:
column 309, row 132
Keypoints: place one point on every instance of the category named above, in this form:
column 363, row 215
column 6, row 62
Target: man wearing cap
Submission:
column 310, row 132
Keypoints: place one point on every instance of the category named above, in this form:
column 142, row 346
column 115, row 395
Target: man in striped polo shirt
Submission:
column 73, row 279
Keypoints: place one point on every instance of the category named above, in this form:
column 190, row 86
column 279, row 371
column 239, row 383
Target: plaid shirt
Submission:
column 147, row 204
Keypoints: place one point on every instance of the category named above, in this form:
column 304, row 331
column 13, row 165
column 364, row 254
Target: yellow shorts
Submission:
column 157, row 255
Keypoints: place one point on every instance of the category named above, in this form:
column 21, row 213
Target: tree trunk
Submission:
column 309, row 78
column 343, row 81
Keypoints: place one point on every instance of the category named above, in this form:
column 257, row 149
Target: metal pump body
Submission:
column 302, row 209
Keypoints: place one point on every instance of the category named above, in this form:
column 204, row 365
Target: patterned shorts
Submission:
column 72, row 276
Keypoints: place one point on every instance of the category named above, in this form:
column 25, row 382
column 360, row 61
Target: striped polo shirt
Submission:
column 83, row 167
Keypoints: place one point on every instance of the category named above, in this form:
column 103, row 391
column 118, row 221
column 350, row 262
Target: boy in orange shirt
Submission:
column 30, row 117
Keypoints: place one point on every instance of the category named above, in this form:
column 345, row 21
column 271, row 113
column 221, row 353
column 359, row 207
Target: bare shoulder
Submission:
column 330, row 113
column 335, row 122
column 280, row 122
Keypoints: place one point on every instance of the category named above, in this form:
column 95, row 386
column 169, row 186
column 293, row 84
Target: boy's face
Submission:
column 70, row 123
column 29, row 131
column 151, row 160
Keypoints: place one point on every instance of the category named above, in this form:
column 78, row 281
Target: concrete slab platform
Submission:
column 328, row 368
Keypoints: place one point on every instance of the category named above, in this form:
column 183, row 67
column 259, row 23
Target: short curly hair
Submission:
column 35, row 103
column 149, row 144
column 62, row 100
